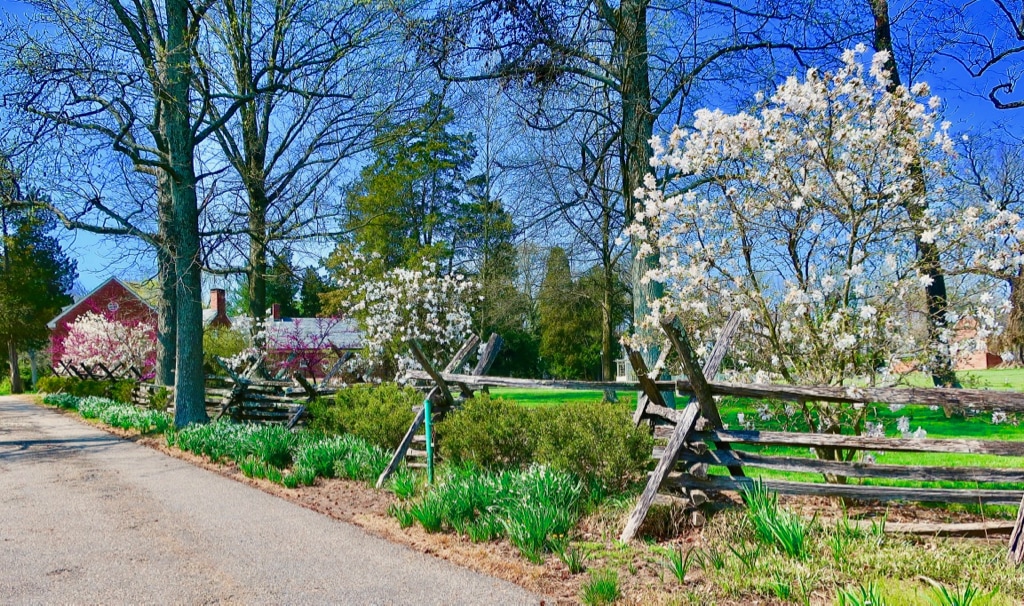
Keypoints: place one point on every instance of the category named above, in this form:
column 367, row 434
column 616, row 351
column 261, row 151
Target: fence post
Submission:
column 428, row 430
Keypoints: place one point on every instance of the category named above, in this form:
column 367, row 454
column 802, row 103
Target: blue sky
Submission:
column 965, row 106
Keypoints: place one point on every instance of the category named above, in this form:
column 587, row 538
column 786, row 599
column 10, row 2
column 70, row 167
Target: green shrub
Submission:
column 379, row 414
column 160, row 398
column 50, row 385
column 121, row 390
column 114, row 390
column 221, row 342
column 593, row 440
column 493, row 433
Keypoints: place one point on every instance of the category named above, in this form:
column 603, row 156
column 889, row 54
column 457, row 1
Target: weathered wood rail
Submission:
column 242, row 396
column 442, row 393
column 696, row 441
column 693, row 442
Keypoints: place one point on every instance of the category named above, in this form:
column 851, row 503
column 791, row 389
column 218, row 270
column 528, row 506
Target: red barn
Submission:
column 113, row 299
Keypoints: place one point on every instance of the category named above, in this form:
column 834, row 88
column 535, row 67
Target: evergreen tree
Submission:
column 313, row 285
column 569, row 322
column 405, row 206
column 36, row 276
column 283, row 284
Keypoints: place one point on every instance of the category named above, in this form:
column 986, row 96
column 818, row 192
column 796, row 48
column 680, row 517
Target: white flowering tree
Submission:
column 403, row 304
column 993, row 203
column 796, row 216
column 94, row 338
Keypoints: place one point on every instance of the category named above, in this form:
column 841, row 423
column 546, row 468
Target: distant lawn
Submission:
column 533, row 398
column 1010, row 379
column 933, row 421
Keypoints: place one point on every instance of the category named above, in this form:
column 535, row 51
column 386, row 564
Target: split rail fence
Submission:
column 692, row 441
column 245, row 396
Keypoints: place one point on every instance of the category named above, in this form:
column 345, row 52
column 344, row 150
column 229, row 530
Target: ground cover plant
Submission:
column 113, row 413
column 535, row 508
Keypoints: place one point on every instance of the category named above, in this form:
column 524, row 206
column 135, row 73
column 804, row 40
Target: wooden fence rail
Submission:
column 698, row 444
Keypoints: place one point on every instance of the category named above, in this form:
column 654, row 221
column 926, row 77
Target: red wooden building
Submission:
column 113, row 299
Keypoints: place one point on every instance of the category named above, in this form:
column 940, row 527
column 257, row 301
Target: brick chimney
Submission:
column 218, row 303
column 275, row 311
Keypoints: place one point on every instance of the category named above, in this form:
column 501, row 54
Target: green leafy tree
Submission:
column 569, row 322
column 487, row 232
column 283, row 285
column 36, row 276
column 405, row 206
column 313, row 285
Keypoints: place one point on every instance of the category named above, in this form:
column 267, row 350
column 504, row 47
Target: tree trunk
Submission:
column 34, row 366
column 166, row 330
column 927, row 253
column 607, row 372
column 189, row 404
column 637, row 127
column 12, row 362
column 1013, row 336
column 257, row 270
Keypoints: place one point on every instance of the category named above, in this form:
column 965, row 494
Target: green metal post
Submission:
column 429, row 430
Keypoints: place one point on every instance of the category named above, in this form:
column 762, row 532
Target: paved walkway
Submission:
column 86, row 517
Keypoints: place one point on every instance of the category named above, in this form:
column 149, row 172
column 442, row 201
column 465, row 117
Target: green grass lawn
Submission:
column 534, row 398
column 932, row 421
column 1010, row 379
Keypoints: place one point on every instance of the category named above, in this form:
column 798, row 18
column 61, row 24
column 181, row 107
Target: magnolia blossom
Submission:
column 804, row 216
column 95, row 339
column 874, row 430
column 434, row 310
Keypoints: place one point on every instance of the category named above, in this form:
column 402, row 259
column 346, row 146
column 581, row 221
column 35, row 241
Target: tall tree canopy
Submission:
column 405, row 206
column 36, row 276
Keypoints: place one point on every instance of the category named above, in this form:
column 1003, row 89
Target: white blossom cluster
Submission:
column 254, row 332
column 803, row 217
column 433, row 309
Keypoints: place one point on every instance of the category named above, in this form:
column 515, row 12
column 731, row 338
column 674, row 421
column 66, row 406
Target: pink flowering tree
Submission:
column 795, row 216
column 95, row 339
column 304, row 345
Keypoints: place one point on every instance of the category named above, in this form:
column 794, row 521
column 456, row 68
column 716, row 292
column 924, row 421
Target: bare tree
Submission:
column 553, row 48
column 987, row 39
column 124, row 73
column 318, row 78
column 927, row 252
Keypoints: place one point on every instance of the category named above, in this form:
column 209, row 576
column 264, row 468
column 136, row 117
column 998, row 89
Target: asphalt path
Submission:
column 86, row 517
